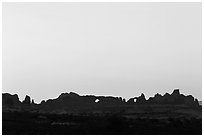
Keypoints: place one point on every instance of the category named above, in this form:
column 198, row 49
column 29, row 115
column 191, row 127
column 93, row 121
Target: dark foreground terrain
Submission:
column 19, row 123
column 70, row 113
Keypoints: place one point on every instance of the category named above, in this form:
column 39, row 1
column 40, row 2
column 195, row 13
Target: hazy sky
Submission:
column 120, row 49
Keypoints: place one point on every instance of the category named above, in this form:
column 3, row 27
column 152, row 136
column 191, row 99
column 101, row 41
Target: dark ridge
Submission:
column 73, row 100
column 9, row 100
column 70, row 113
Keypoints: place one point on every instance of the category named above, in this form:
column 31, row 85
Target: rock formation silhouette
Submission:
column 73, row 101
column 71, row 113
column 27, row 101
column 141, row 99
column 9, row 100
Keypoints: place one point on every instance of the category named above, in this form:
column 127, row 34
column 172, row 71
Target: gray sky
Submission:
column 120, row 49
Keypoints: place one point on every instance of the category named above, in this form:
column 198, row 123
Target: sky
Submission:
column 117, row 49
